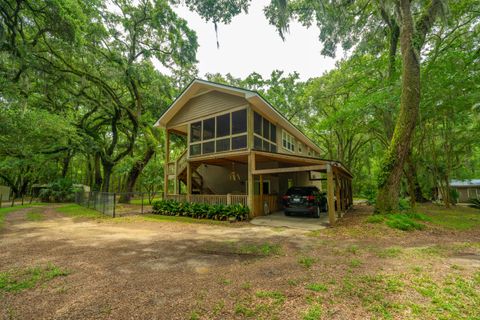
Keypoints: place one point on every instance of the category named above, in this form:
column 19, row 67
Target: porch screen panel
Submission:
column 221, row 133
column 196, row 131
column 239, row 121
column 265, row 134
column 223, row 125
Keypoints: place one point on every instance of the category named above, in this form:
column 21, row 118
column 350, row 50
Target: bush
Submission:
column 61, row 190
column 377, row 218
column 474, row 203
column 235, row 212
column 403, row 222
column 404, row 204
column 454, row 195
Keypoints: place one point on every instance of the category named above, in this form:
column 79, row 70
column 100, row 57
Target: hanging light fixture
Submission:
column 233, row 176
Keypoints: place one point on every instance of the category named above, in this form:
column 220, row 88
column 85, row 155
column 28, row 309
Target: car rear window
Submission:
column 301, row 191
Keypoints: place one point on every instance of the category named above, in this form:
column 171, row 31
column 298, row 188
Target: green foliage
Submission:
column 404, row 204
column 474, row 203
column 235, row 212
column 74, row 210
column 22, row 279
column 313, row 313
column 376, row 218
column 403, row 222
column 307, row 262
column 317, row 287
column 61, row 190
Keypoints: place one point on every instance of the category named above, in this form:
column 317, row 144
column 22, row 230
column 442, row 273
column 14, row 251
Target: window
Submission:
column 195, row 149
column 223, row 145
column 288, row 142
column 208, row 147
column 223, row 125
column 264, row 133
column 239, row 142
column 208, row 129
column 239, row 121
column 196, row 131
column 217, row 134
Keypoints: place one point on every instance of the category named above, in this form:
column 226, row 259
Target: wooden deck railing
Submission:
column 211, row 198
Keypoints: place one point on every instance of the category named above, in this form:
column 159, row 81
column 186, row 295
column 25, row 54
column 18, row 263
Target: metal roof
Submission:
column 465, row 183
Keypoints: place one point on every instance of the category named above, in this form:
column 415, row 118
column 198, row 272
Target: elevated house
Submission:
column 467, row 189
column 240, row 149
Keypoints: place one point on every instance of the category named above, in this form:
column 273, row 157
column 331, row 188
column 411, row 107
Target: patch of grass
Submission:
column 353, row 249
column 355, row 263
column 161, row 218
column 307, row 262
column 246, row 285
column 245, row 311
column 456, row 297
column 458, row 218
column 317, row 287
column 293, row 282
column 264, row 249
column 376, row 218
column 5, row 211
column 403, row 222
column 34, row 216
column 22, row 279
column 276, row 296
column 226, row 281
column 194, row 315
column 313, row 313
column 145, row 201
column 74, row 210
column 218, row 307
column 391, row 252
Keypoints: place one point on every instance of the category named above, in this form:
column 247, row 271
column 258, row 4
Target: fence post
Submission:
column 229, row 198
column 142, row 201
column 114, row 201
column 1, row 199
column 103, row 201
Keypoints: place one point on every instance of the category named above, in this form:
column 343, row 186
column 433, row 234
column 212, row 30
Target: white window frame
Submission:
column 288, row 138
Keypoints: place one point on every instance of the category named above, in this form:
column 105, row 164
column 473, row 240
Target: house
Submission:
column 467, row 189
column 240, row 149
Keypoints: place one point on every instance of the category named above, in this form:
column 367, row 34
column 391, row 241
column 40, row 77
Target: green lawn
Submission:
column 74, row 210
column 5, row 211
column 145, row 200
column 457, row 217
column 15, row 280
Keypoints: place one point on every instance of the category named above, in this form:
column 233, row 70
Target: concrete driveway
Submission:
column 278, row 219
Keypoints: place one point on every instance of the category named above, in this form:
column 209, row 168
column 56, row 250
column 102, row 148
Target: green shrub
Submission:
column 404, row 204
column 376, row 218
column 235, row 212
column 61, row 190
column 403, row 222
column 454, row 195
column 474, row 203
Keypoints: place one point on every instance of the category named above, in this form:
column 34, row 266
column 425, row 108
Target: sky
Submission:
column 249, row 44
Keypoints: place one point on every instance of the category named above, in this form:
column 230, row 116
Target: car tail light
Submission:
column 285, row 197
column 310, row 198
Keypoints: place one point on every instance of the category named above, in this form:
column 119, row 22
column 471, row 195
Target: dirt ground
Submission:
column 172, row 270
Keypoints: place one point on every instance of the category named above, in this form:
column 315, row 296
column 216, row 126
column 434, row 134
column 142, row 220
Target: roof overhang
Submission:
column 198, row 86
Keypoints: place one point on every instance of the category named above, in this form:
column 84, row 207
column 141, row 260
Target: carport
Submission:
column 328, row 174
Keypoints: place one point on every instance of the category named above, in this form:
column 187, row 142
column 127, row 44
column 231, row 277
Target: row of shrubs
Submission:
column 231, row 212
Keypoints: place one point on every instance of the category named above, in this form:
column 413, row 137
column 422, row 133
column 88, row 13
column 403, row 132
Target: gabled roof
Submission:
column 465, row 183
column 253, row 97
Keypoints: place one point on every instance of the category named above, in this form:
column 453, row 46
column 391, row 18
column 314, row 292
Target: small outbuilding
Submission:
column 467, row 189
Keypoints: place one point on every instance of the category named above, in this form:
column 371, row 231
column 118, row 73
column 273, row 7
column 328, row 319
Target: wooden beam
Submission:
column 317, row 167
column 167, row 160
column 260, row 189
column 250, row 186
column 337, row 195
column 330, row 196
column 189, row 180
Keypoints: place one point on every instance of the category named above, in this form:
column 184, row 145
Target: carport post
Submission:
column 330, row 196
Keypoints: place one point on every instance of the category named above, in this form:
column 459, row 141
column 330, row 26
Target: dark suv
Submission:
column 304, row 200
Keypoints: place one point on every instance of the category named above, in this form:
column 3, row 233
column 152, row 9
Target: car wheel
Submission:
column 317, row 213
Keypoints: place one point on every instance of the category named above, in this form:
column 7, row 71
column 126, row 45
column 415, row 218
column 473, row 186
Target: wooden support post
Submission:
column 229, row 198
column 189, row 180
column 250, row 186
column 337, row 195
column 330, row 195
column 167, row 159
column 260, row 189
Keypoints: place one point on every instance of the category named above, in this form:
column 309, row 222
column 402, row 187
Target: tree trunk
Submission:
column 134, row 173
column 392, row 166
column 98, row 173
column 107, row 173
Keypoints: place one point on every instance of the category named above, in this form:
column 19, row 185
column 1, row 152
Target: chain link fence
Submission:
column 115, row 204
